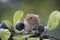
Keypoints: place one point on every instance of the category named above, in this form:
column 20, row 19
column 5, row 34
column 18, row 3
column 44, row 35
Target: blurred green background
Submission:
column 40, row 7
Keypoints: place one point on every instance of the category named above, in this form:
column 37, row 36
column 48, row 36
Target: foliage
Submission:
column 17, row 16
column 8, row 24
column 53, row 20
column 52, row 23
column 21, row 36
column 36, row 38
column 4, row 34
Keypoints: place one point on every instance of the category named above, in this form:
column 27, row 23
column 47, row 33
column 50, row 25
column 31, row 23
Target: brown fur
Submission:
column 35, row 21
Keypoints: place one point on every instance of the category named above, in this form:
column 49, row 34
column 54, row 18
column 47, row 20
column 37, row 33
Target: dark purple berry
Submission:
column 19, row 26
column 41, row 29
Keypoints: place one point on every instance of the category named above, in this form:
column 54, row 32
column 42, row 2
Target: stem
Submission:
column 50, row 36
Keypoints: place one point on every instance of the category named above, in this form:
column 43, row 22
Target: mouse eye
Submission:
column 30, row 17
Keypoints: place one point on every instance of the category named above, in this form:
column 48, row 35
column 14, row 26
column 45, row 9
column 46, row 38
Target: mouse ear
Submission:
column 37, row 16
column 27, row 15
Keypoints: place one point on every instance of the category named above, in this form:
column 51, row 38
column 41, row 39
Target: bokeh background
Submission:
column 40, row 7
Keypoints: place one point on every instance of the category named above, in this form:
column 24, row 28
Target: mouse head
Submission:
column 33, row 19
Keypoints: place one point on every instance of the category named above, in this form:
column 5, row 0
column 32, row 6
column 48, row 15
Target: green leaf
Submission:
column 4, row 34
column 46, row 39
column 17, row 16
column 35, row 38
column 53, row 20
column 8, row 24
column 21, row 36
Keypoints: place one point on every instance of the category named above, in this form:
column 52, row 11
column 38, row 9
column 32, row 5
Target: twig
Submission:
column 50, row 36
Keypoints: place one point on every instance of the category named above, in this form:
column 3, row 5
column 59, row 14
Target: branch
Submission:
column 50, row 36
